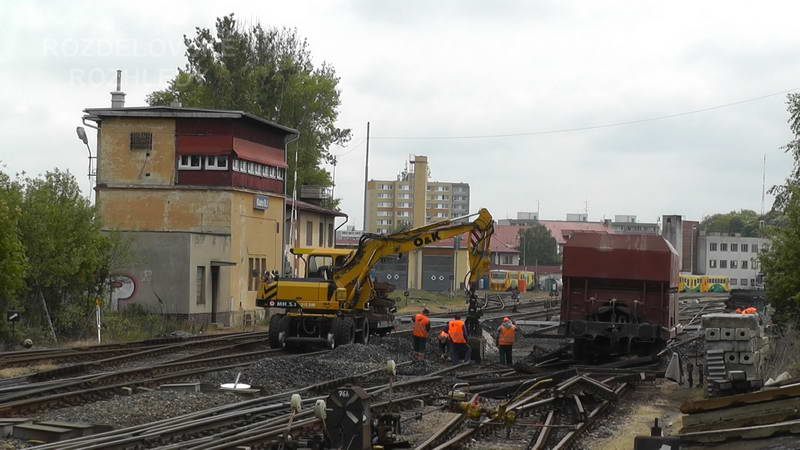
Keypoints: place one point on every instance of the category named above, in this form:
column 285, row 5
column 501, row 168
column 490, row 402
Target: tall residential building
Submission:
column 412, row 200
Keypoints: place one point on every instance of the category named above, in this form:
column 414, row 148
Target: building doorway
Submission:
column 214, row 292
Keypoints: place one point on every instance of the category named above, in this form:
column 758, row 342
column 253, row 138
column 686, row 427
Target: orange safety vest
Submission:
column 421, row 323
column 508, row 335
column 456, row 331
column 750, row 310
column 443, row 336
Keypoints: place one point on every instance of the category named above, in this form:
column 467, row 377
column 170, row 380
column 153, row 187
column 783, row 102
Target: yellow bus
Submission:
column 690, row 283
column 715, row 284
column 505, row 280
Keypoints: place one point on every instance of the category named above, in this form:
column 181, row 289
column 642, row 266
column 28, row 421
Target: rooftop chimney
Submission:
column 118, row 97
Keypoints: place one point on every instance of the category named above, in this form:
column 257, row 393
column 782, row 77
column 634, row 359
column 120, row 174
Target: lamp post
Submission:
column 82, row 136
column 691, row 249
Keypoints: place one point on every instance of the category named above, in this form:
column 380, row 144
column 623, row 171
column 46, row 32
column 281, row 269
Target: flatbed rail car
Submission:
column 620, row 293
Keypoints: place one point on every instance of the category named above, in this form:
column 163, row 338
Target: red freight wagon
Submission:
column 620, row 292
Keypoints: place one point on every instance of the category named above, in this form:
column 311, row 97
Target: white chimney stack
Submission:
column 118, row 97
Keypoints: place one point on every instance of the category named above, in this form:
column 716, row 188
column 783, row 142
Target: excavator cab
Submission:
column 318, row 262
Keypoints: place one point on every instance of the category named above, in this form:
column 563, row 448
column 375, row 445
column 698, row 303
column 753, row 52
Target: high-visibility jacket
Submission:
column 456, row 331
column 507, row 334
column 750, row 310
column 421, row 325
column 443, row 336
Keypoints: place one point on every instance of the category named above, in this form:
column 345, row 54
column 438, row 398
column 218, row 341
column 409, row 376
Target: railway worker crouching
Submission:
column 444, row 343
column 458, row 339
column 506, row 338
column 422, row 326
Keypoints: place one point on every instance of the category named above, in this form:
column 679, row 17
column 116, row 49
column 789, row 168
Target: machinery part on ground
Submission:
column 349, row 420
column 342, row 329
column 337, row 284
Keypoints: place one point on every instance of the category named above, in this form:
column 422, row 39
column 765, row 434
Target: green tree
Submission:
column 780, row 263
column 267, row 72
column 13, row 262
column 537, row 246
column 746, row 222
column 69, row 257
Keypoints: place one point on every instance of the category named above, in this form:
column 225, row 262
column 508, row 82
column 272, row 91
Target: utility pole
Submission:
column 333, row 188
column 366, row 179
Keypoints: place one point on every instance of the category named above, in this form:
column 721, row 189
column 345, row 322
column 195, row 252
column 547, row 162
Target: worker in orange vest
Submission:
column 750, row 310
column 444, row 342
column 458, row 339
column 422, row 325
column 506, row 338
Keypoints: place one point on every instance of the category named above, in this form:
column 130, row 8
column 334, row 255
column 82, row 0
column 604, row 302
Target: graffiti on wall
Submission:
column 123, row 287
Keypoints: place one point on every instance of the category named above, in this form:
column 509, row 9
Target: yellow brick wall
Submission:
column 255, row 233
column 117, row 164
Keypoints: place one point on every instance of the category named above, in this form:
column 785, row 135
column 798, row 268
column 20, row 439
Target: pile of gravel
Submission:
column 125, row 411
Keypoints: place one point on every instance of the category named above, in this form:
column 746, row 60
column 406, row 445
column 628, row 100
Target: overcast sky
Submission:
column 462, row 68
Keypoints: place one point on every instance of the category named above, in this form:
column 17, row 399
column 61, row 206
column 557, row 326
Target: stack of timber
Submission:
column 754, row 415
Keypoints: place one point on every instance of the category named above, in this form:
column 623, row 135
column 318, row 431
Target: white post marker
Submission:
column 97, row 314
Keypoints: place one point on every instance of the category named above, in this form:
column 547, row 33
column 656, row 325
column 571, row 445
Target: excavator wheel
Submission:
column 274, row 330
column 362, row 334
column 343, row 331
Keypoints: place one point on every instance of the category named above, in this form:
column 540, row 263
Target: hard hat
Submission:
column 506, row 319
column 425, row 311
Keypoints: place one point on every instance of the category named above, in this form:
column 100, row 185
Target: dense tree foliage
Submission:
column 267, row 72
column 537, row 246
column 746, row 222
column 781, row 264
column 54, row 258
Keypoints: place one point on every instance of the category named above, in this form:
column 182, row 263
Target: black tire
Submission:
column 286, row 328
column 275, row 323
column 343, row 331
column 362, row 334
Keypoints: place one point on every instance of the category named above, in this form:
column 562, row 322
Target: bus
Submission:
column 505, row 280
column 690, row 283
column 715, row 284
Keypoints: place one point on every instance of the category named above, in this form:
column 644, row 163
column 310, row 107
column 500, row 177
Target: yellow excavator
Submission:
column 337, row 302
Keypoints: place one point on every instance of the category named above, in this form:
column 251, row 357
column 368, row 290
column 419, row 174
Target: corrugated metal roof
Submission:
column 192, row 113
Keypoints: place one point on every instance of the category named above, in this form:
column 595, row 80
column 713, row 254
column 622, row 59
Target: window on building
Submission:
column 331, row 242
column 216, row 163
column 744, row 248
column 309, row 233
column 405, row 196
column 403, row 214
column 382, row 231
column 321, row 234
column 429, row 188
column 733, row 282
column 752, row 281
column 744, row 281
column 744, row 264
column 141, row 140
column 712, row 246
column 235, row 165
column 712, row 263
column 754, row 264
column 734, row 264
column 723, row 263
column 281, row 174
column 384, row 195
column 405, row 187
column 734, row 247
column 201, row 285
column 754, row 248
column 723, row 247
column 384, row 213
column 273, row 172
column 385, row 205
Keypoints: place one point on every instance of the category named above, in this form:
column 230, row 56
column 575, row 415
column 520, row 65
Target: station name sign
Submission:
column 261, row 202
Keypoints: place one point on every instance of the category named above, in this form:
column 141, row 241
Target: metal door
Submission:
column 437, row 272
column 393, row 271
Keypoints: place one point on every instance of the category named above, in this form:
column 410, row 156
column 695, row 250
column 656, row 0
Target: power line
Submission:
column 589, row 127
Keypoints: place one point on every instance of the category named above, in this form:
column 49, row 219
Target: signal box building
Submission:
column 201, row 195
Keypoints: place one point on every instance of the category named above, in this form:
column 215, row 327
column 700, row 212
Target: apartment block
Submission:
column 413, row 200
column 733, row 256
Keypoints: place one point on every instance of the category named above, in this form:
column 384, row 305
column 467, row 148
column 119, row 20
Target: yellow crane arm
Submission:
column 354, row 273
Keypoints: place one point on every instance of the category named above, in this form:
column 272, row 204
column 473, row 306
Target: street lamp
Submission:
column 82, row 136
column 691, row 249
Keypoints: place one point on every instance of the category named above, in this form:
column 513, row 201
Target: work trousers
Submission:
column 505, row 354
column 460, row 352
column 419, row 344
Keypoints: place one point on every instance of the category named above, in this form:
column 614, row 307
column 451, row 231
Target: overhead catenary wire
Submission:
column 588, row 127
